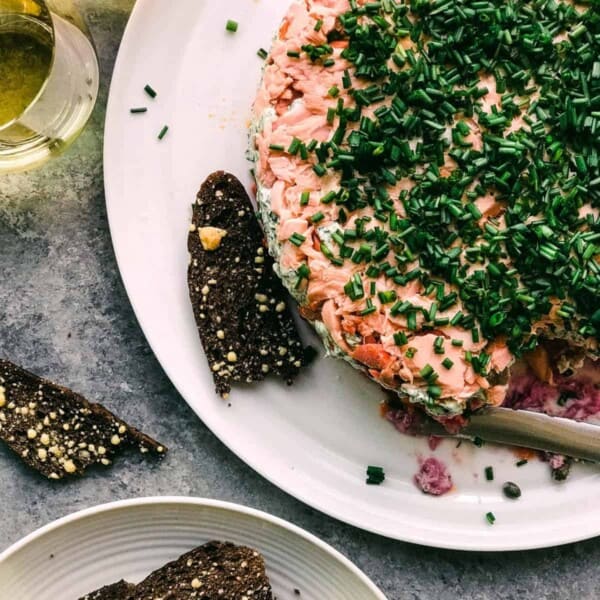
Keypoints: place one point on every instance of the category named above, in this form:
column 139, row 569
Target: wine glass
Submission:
column 48, row 80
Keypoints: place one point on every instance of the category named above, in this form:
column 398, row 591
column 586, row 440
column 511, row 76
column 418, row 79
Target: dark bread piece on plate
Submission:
column 216, row 570
column 239, row 304
column 58, row 432
column 116, row 591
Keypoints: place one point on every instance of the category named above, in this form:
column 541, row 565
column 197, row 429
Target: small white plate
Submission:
column 316, row 438
column 129, row 539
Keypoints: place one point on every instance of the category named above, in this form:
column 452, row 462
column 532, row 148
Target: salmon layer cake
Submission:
column 428, row 179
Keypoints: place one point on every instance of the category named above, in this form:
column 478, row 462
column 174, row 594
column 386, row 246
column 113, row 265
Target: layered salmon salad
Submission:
column 428, row 179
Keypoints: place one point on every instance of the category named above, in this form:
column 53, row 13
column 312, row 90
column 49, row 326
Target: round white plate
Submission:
column 316, row 438
column 129, row 539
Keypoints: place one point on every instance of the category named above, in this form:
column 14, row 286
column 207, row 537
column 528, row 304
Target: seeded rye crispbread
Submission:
column 58, row 432
column 214, row 570
column 246, row 328
column 116, row 591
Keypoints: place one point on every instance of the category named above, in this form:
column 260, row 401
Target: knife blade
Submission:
column 529, row 430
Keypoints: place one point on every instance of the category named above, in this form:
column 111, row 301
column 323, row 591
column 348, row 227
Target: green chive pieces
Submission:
column 522, row 462
column 375, row 475
column 262, row 53
column 447, row 363
column 141, row 109
column 489, row 473
column 163, row 132
column 231, row 26
column 148, row 89
column 297, row 239
column 490, row 518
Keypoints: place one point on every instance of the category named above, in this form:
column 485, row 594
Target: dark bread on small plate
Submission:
column 215, row 570
column 116, row 591
column 58, row 432
column 239, row 304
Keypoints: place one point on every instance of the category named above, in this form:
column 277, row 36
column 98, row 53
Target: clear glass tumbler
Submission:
column 48, row 80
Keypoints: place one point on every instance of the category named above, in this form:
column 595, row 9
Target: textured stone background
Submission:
column 64, row 314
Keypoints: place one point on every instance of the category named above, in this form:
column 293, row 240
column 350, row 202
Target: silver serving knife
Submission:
column 529, row 430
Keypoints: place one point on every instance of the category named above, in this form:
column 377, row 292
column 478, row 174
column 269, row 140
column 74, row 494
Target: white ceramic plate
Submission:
column 316, row 438
column 129, row 539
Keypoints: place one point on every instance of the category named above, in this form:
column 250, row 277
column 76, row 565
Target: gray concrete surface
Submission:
column 64, row 314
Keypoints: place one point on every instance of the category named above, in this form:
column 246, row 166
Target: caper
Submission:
column 511, row 490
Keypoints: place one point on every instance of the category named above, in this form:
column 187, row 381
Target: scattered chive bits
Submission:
column 148, row 89
column 375, row 475
column 262, row 53
column 511, row 490
column 231, row 26
column 163, row 132
column 490, row 518
column 489, row 473
column 138, row 110
column 522, row 462
column 477, row 441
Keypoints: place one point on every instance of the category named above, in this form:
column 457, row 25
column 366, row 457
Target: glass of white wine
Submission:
column 48, row 80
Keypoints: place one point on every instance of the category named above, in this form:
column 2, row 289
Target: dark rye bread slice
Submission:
column 117, row 591
column 216, row 570
column 58, row 432
column 246, row 328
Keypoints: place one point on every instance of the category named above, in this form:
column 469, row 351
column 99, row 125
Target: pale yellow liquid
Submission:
column 24, row 65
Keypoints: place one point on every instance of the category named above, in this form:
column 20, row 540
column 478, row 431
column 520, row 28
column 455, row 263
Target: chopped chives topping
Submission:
column 318, row 216
column 435, row 391
column 490, row 518
column 319, row 169
column 411, row 320
column 163, row 132
column 303, row 272
column 375, row 475
column 148, row 89
column 294, row 146
column 231, row 26
column 262, row 53
column 501, row 275
column 427, row 371
column 489, row 473
column 438, row 345
column 293, row 54
column 369, row 309
column 400, row 338
column 304, row 198
column 522, row 462
column 387, row 296
column 328, row 197
column 297, row 239
column 141, row 109
column 276, row 147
